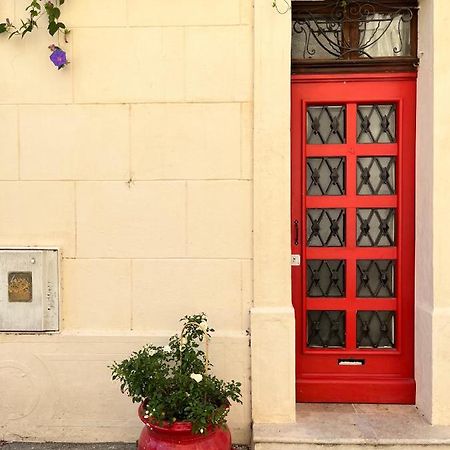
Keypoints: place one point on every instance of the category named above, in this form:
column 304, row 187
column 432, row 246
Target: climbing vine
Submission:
column 281, row 6
column 36, row 10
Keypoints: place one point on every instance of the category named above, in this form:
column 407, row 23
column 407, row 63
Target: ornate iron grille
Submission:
column 326, row 124
column 326, row 278
column 376, row 175
column 375, row 329
column 326, row 329
column 375, row 278
column 325, row 176
column 376, row 227
column 376, row 124
column 326, row 227
column 352, row 29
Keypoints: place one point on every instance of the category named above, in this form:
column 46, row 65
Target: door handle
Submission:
column 296, row 232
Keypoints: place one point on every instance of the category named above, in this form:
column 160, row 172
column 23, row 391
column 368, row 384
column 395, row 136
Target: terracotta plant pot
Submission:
column 178, row 436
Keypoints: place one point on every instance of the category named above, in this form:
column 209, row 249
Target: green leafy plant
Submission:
column 35, row 10
column 175, row 383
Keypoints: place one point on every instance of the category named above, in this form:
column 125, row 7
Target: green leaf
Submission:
column 53, row 28
column 3, row 27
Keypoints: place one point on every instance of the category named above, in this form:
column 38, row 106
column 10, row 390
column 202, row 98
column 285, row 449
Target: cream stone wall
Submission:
column 159, row 163
column 432, row 214
column 424, row 214
column 441, row 214
column 272, row 318
column 136, row 161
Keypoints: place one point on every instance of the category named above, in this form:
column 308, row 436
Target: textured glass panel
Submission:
column 326, row 125
column 310, row 38
column 375, row 278
column 326, row 329
column 376, row 175
column 385, row 35
column 325, row 227
column 20, row 287
column 375, row 227
column 375, row 329
column 325, row 278
column 376, row 124
column 325, row 176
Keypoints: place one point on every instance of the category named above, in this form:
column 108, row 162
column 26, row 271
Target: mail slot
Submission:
column 351, row 362
column 29, row 290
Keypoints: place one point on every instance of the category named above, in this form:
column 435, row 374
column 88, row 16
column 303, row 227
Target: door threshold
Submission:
column 350, row 426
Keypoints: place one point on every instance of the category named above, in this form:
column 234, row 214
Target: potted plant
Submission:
column 182, row 405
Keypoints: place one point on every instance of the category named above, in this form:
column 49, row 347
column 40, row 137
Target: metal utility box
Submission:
column 29, row 290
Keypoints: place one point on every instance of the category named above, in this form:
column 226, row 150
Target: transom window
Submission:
column 354, row 33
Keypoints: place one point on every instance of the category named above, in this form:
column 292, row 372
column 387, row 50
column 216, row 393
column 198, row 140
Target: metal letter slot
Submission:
column 351, row 362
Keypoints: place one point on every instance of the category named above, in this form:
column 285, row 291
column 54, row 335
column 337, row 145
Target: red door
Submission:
column 353, row 147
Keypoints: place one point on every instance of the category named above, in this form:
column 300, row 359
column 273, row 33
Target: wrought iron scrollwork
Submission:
column 329, row 32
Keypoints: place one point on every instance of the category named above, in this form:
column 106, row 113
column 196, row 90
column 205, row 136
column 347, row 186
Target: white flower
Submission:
column 203, row 326
column 152, row 351
column 201, row 430
column 183, row 341
column 197, row 377
column 166, row 349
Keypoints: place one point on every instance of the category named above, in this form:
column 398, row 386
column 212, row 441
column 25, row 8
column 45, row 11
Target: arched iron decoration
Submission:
column 354, row 29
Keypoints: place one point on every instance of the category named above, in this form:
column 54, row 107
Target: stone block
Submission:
column 219, row 219
column 99, row 13
column 96, row 294
column 28, row 75
column 183, row 13
column 74, row 142
column 130, row 220
column 121, row 65
column 38, row 214
column 186, row 141
column 9, row 148
column 166, row 290
column 218, row 63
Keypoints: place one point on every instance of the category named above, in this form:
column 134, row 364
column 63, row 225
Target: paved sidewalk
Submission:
column 58, row 446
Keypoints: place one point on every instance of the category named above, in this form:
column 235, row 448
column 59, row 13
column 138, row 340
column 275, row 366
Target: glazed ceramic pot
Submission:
column 179, row 436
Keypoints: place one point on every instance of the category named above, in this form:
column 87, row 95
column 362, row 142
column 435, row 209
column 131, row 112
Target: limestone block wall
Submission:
column 441, row 216
column 136, row 161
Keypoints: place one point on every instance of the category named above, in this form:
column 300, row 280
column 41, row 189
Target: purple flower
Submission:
column 58, row 56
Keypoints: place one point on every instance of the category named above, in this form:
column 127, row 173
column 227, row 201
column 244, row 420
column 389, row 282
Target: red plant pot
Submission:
column 179, row 436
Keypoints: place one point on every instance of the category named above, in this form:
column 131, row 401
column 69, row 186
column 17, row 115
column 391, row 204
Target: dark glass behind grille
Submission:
column 375, row 329
column 325, row 278
column 376, row 124
column 375, row 227
column 326, row 329
column 325, row 227
column 326, row 125
column 325, row 176
column 375, row 278
column 376, row 175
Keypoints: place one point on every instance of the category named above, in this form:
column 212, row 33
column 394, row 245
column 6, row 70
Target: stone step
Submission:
column 353, row 427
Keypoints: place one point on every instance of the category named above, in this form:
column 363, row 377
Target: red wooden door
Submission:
column 353, row 147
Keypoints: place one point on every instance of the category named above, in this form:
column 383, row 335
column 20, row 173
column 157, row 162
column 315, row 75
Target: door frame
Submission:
column 272, row 315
